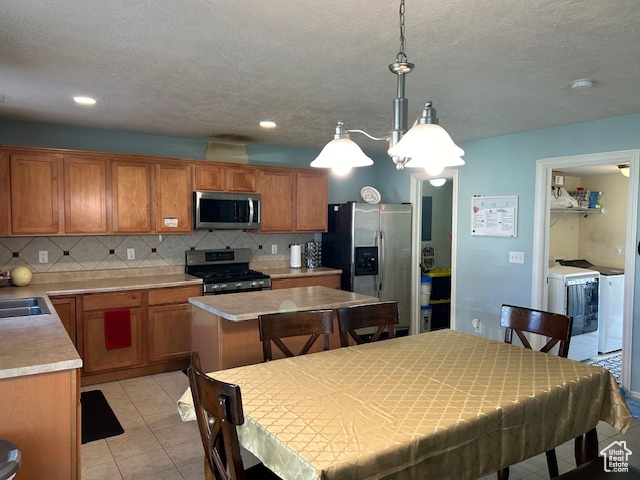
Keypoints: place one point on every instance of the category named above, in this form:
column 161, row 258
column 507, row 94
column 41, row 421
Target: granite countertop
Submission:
column 40, row 344
column 287, row 272
column 248, row 305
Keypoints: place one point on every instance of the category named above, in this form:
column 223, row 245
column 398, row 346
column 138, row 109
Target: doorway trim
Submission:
column 541, row 217
column 415, row 196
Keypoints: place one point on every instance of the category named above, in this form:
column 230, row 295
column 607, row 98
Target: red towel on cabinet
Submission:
column 117, row 328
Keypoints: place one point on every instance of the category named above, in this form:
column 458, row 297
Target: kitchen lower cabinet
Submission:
column 331, row 281
column 160, row 333
column 169, row 325
column 66, row 310
column 96, row 356
column 41, row 416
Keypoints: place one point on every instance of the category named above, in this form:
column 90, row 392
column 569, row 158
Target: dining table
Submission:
column 436, row 405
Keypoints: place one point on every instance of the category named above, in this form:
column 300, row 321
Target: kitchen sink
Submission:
column 21, row 307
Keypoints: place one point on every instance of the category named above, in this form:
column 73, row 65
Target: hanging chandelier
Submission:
column 426, row 145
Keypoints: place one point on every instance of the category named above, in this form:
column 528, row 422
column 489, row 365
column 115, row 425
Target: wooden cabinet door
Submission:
column 311, row 202
column 85, row 195
column 96, row 355
column 276, row 189
column 5, row 204
column 173, row 198
column 66, row 310
column 241, row 179
column 210, row 178
column 331, row 281
column 169, row 332
column 131, row 196
column 34, row 194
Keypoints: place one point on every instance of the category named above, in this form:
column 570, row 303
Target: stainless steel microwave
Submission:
column 226, row 210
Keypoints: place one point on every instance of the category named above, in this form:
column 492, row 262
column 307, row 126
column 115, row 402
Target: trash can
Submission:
column 425, row 290
column 9, row 460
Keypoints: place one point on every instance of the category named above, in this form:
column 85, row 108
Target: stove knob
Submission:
column 261, row 283
column 215, row 287
column 223, row 286
column 253, row 284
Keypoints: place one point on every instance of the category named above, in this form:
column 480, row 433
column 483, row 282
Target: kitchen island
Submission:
column 224, row 328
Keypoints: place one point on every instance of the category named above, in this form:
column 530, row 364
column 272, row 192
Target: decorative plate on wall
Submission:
column 370, row 195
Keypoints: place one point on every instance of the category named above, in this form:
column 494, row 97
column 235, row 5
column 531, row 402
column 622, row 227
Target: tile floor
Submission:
column 158, row 445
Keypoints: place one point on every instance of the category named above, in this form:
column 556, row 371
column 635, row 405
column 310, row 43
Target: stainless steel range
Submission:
column 225, row 271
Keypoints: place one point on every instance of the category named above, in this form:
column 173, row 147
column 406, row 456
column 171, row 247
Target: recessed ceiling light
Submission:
column 85, row 100
column 582, row 84
column 267, row 124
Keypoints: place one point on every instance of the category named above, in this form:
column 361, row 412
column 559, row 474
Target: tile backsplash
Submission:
column 109, row 252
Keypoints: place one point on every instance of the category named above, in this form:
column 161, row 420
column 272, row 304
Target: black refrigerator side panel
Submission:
column 337, row 243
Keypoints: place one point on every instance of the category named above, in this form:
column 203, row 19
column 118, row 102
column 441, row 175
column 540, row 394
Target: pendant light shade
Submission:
column 428, row 140
column 341, row 154
column 624, row 170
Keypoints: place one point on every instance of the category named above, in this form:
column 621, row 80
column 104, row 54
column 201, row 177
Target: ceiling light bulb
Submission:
column 341, row 170
column 84, row 100
column 624, row 170
column 434, row 168
column 268, row 124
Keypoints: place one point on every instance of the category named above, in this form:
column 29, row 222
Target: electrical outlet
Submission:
column 516, row 257
column 43, row 256
column 274, row 249
column 620, row 251
column 131, row 253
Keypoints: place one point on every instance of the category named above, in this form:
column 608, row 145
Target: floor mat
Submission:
column 612, row 363
column 98, row 420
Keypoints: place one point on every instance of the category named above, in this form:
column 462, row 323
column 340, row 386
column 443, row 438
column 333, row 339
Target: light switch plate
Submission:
column 516, row 257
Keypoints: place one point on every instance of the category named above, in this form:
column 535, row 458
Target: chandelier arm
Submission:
column 367, row 135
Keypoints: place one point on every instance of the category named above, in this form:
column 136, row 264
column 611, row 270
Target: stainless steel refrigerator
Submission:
column 372, row 246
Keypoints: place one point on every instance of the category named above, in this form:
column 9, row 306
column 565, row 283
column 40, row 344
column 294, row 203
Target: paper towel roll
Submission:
column 296, row 256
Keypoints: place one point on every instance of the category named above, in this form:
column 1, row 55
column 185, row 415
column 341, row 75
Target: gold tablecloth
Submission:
column 437, row 405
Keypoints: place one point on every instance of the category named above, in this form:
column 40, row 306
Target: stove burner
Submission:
column 225, row 271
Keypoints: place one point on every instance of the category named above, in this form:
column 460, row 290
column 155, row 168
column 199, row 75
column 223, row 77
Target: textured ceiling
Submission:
column 214, row 68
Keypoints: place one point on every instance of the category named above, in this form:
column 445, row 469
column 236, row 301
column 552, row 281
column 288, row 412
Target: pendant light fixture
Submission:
column 426, row 145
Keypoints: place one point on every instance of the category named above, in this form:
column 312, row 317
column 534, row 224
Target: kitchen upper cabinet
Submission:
column 225, row 178
column 131, row 196
column 173, row 198
column 277, row 189
column 34, row 193
column 85, row 195
column 311, row 202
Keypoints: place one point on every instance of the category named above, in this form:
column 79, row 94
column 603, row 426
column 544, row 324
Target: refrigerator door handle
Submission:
column 381, row 262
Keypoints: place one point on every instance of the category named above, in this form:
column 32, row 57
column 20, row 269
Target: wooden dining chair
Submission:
column 383, row 315
column 218, row 407
column 557, row 329
column 594, row 470
column 274, row 327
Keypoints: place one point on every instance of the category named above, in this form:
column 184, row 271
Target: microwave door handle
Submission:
column 250, row 211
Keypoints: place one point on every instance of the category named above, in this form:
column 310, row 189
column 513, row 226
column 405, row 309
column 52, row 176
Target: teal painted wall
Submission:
column 506, row 166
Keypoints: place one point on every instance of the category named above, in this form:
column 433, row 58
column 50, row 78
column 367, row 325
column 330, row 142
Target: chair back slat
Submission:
column 383, row 315
column 218, row 407
column 274, row 327
column 555, row 326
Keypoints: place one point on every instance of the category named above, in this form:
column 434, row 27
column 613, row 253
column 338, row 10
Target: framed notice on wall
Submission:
column 494, row 216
